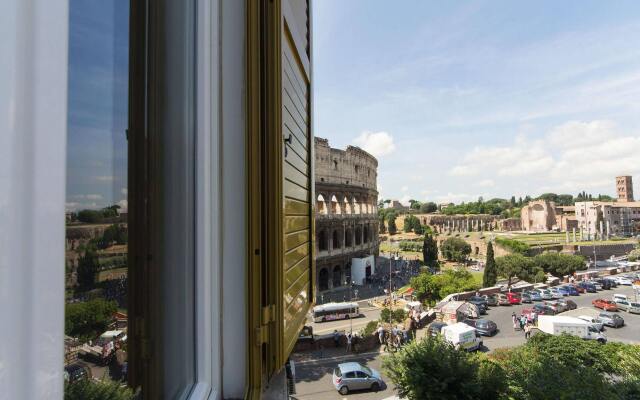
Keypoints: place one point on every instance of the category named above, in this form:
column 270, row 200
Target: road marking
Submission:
column 336, row 358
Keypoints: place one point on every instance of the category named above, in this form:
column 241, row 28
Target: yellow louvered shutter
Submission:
column 297, row 169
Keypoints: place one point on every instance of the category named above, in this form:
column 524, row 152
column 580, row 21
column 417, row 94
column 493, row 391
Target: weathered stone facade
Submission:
column 346, row 211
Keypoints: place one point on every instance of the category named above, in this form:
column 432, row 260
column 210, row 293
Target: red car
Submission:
column 606, row 305
column 514, row 298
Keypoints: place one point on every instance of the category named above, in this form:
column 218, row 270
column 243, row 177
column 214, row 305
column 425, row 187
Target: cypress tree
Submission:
column 490, row 275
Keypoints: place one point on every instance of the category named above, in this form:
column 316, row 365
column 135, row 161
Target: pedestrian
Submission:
column 349, row 339
column 527, row 331
column 514, row 319
column 336, row 338
column 381, row 334
column 521, row 321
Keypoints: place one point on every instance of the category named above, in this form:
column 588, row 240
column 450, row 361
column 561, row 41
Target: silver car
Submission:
column 353, row 376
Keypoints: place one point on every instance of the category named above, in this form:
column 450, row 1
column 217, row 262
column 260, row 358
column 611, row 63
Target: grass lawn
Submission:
column 534, row 239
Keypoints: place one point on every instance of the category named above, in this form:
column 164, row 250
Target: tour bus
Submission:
column 335, row 311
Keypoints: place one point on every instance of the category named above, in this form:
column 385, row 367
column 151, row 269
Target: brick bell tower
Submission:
column 624, row 188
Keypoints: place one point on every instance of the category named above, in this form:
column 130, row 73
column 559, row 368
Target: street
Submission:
column 313, row 377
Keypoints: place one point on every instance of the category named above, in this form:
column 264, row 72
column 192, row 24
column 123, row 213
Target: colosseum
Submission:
column 346, row 211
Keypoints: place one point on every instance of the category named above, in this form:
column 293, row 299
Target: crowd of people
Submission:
column 524, row 323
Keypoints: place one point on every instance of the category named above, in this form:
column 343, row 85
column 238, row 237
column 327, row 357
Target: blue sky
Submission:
column 485, row 98
column 97, row 104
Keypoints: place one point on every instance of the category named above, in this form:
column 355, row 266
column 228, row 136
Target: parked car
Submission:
column 484, row 327
column 568, row 303
column 503, row 300
column 535, row 295
column 624, row 281
column 353, row 376
column 435, row 328
column 542, row 309
column 634, row 308
column 579, row 288
column 597, row 284
column 479, row 302
column 604, row 283
column 612, row 320
column 76, row 372
column 546, row 294
column 492, row 300
column 596, row 323
column 564, row 291
column 555, row 293
column 514, row 298
column 619, row 296
column 606, row 305
column 572, row 290
column 556, row 306
column 612, row 282
column 525, row 298
column 623, row 305
column 588, row 287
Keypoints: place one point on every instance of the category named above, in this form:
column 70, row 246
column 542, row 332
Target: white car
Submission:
column 624, row 281
column 634, row 308
column 618, row 296
column 623, row 305
column 595, row 323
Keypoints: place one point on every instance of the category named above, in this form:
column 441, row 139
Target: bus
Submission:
column 335, row 311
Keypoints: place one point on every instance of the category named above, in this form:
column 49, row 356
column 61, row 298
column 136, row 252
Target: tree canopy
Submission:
column 455, row 249
column 86, row 320
column 558, row 264
column 518, row 266
column 428, row 207
column 546, row 367
column 434, row 287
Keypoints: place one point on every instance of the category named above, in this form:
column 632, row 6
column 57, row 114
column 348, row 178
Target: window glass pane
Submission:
column 96, row 205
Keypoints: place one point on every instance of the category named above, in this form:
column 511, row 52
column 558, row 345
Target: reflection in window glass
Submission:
column 96, row 206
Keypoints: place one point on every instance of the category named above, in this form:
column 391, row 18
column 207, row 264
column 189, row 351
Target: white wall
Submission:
column 358, row 268
column 33, row 116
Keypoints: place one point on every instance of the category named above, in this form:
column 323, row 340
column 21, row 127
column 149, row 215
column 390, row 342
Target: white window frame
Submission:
column 33, row 122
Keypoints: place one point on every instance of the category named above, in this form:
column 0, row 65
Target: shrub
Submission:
column 513, row 245
column 98, row 390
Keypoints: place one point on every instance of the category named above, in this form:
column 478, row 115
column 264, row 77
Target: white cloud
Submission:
column 377, row 143
column 404, row 188
column 124, row 191
column 405, row 200
column 124, row 205
column 570, row 157
column 93, row 197
column 485, row 183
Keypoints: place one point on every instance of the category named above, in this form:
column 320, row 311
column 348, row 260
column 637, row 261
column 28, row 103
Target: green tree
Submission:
column 410, row 223
column 455, row 249
column 559, row 264
column 490, row 275
column 433, row 288
column 431, row 369
column 429, row 207
column 517, row 265
column 391, row 223
column 87, row 269
column 381, row 219
column 98, row 390
column 87, row 320
column 414, row 204
column 430, row 251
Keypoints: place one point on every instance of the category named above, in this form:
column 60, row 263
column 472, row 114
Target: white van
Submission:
column 462, row 336
column 622, row 297
column 558, row 324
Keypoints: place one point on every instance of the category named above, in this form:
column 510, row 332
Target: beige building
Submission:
column 546, row 216
column 346, row 211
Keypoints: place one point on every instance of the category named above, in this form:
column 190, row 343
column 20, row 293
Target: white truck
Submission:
column 559, row 324
column 462, row 336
